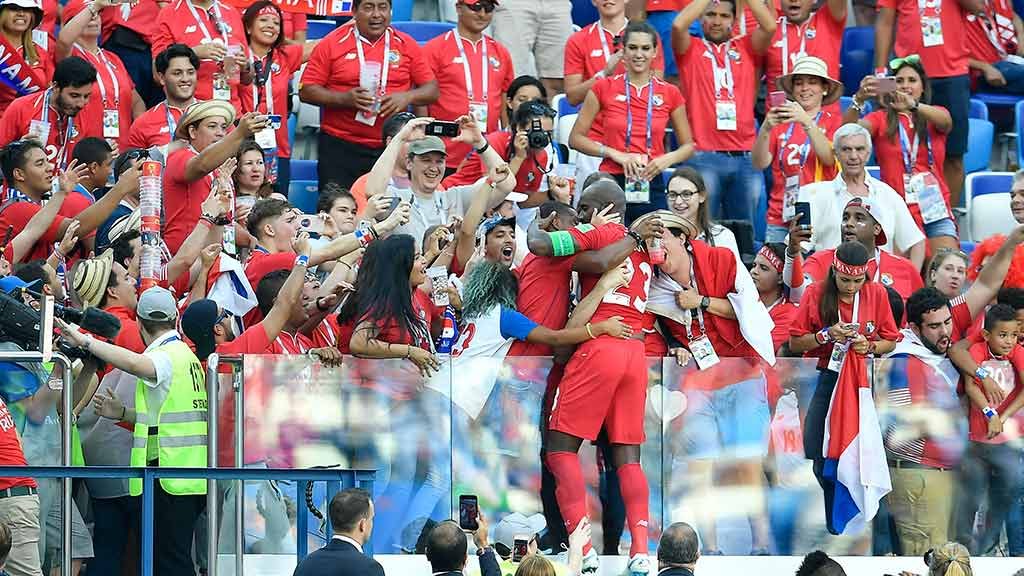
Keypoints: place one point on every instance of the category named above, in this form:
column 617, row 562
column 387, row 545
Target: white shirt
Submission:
column 433, row 211
column 350, row 541
column 829, row 199
column 722, row 237
column 158, row 388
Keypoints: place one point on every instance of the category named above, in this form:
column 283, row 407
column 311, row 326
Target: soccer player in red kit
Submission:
column 605, row 385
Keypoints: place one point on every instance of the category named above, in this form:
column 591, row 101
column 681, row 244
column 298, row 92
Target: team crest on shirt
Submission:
column 869, row 327
column 734, row 54
column 886, row 279
column 275, row 67
column 495, row 63
column 810, row 33
column 658, row 100
column 394, row 57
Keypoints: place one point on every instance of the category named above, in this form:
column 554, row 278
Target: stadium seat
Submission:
column 979, row 146
column 563, row 107
column 993, row 100
column 1018, row 116
column 977, row 109
column 319, row 28
column 401, row 10
column 303, row 195
column 304, row 170
column 858, row 56
column 562, row 129
column 583, row 13
column 967, row 247
column 423, row 32
column 988, row 204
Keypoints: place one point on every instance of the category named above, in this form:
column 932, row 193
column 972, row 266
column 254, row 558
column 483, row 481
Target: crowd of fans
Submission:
column 449, row 228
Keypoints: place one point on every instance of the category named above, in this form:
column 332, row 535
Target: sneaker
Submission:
column 639, row 565
column 591, row 562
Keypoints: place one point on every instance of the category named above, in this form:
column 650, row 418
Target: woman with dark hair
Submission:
column 18, row 19
column 909, row 138
column 250, row 175
column 274, row 62
column 687, row 196
column 636, row 108
column 773, row 292
column 523, row 89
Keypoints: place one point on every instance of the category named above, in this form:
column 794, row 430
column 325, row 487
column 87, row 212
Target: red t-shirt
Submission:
column 792, row 153
column 253, row 340
column 75, row 204
column 42, row 67
column 293, row 22
column 11, row 453
column 700, row 60
column 180, row 22
column 962, row 320
column 334, row 65
column 142, row 19
column 528, row 178
column 287, row 343
column 948, row 58
column 897, row 271
column 259, row 264
column 665, row 5
column 874, row 316
column 611, row 93
column 17, row 215
column 445, row 60
column 820, row 35
column 629, row 301
column 543, row 297
column 1006, row 372
column 783, row 314
column 287, row 61
column 59, row 143
column 112, row 91
column 152, row 129
column 332, row 333
column 129, row 337
column 890, row 156
column 182, row 200
column 991, row 37
column 424, row 309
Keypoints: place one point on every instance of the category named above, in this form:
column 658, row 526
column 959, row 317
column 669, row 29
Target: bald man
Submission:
column 678, row 550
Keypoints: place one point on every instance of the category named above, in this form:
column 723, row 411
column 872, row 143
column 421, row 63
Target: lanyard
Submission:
column 988, row 22
column 168, row 340
column 604, row 41
column 62, row 151
column 722, row 74
column 202, row 25
column 629, row 114
column 172, row 125
column 804, row 150
column 699, row 312
column 267, row 82
column 856, row 308
column 384, row 61
column 483, row 66
column 101, row 57
column 802, row 32
column 878, row 266
column 910, row 157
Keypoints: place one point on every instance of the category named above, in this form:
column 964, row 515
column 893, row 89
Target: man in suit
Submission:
column 352, row 522
column 447, row 545
column 678, row 550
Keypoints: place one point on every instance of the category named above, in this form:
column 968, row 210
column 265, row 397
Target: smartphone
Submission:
column 442, row 129
column 468, row 512
column 776, row 99
column 886, row 85
column 520, row 548
column 311, row 223
column 804, row 210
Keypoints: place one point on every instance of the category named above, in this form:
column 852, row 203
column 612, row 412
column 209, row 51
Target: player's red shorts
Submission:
column 605, row 384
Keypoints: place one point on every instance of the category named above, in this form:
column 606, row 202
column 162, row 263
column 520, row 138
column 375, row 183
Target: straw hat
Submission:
column 89, row 278
column 669, row 219
column 201, row 111
column 812, row 66
column 131, row 221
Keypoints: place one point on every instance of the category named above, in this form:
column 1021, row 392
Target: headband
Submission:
column 848, row 269
column 268, row 10
column 770, row 256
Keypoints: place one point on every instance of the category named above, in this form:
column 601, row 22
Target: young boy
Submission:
column 993, row 452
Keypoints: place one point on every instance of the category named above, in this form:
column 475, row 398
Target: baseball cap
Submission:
column 493, row 222
column 516, row 524
column 157, row 304
column 426, row 145
column 11, row 283
column 197, row 323
column 874, row 209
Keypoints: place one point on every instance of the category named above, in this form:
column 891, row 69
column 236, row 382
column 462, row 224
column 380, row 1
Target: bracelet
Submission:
column 363, row 237
column 825, row 336
column 638, row 238
column 124, row 411
column 981, row 373
column 590, row 332
column 601, row 152
column 483, row 148
column 302, row 260
column 374, row 233
column 989, row 413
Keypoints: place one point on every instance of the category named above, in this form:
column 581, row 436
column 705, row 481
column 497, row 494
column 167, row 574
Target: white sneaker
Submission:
column 639, row 565
column 591, row 562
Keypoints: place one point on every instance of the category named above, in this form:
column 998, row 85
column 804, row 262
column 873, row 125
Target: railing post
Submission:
column 147, row 521
column 66, row 483
column 301, row 521
column 212, row 512
column 239, row 387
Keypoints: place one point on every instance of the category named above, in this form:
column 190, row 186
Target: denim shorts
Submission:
column 944, row 227
column 731, row 422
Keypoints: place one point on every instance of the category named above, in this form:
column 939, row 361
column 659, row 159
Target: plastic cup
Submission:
column 438, row 276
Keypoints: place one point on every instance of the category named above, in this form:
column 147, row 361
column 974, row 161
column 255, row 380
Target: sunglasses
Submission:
column 225, row 314
column 487, row 7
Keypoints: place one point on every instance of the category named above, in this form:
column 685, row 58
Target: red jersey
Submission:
column 182, row 200
column 991, row 36
column 112, row 91
column 129, row 337
column 961, row 317
column 287, row 343
column 543, row 297
column 259, row 264
column 890, row 155
column 279, row 66
column 895, row 271
column 629, row 301
column 1006, row 372
column 15, row 215
column 332, row 333
column 736, row 59
column 665, row 5
column 64, row 132
column 820, row 35
column 783, row 314
column 141, row 18
column 615, row 116
column 42, row 67
column 253, row 340
column 293, row 22
column 874, row 316
column 456, row 61
column 11, row 452
column 426, row 311
column 793, row 155
column 528, row 178
column 181, row 22
column 153, row 128
column 335, row 65
column 944, row 52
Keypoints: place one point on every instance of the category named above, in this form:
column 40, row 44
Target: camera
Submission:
column 537, row 136
column 20, row 323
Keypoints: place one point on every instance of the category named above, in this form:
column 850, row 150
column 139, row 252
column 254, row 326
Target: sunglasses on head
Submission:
column 225, row 314
column 485, row 6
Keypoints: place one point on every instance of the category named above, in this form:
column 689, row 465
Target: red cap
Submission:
column 73, row 8
column 874, row 210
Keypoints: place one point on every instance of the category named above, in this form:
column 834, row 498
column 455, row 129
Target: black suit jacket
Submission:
column 676, row 572
column 338, row 558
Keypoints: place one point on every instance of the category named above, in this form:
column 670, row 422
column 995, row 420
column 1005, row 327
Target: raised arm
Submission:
column 38, row 225
column 483, row 199
column 73, row 28
column 767, row 22
column 885, row 25
column 380, row 174
column 217, row 153
column 991, row 277
column 205, row 233
column 343, row 245
column 681, row 25
column 97, row 213
column 579, row 329
column 121, row 358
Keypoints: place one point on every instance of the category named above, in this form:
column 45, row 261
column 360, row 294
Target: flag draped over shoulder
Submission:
column 15, row 71
column 311, row 7
column 854, row 455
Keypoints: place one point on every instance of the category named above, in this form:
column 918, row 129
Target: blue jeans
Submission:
column 997, row 467
column 1015, row 519
column 733, row 184
column 114, row 519
column 1014, row 74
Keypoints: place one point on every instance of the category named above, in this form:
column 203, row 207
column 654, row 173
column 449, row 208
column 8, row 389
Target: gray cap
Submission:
column 157, row 304
column 516, row 524
column 427, row 144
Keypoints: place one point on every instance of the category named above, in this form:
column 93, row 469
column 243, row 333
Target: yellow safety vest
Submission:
column 178, row 439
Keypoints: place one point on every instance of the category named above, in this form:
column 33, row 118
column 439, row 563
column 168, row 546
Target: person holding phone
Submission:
column 635, row 107
column 795, row 140
column 910, row 137
column 18, row 20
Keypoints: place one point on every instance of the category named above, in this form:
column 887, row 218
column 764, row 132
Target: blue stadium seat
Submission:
column 967, row 247
column 401, row 10
column 1018, row 120
column 979, row 146
column 873, row 171
column 994, row 100
column 583, row 13
column 303, row 195
column 563, row 107
column 988, row 183
column 988, row 204
column 857, row 59
column 423, row 32
column 317, row 29
column 304, row 170
column 977, row 109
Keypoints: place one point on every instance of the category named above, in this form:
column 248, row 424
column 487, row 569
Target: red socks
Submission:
column 636, row 495
column 570, row 491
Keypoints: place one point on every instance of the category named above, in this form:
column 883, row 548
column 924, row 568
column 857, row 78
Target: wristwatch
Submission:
column 981, row 373
column 989, row 413
column 705, row 302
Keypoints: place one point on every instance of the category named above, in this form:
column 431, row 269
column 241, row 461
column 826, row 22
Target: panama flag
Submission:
column 855, row 467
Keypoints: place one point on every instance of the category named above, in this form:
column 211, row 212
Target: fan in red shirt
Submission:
column 22, row 501
column 211, row 28
column 720, row 85
column 473, row 72
column 993, row 47
column 803, row 31
column 18, row 19
column 340, row 71
column 175, row 69
column 129, row 31
column 767, row 276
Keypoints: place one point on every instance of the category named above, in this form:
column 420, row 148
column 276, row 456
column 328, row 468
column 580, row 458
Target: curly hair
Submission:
column 488, row 284
column 987, row 248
